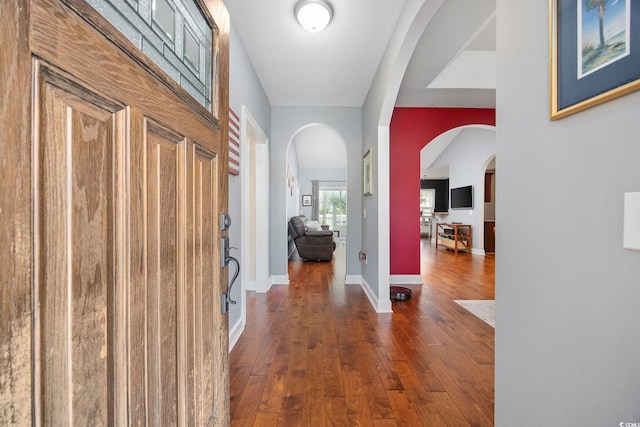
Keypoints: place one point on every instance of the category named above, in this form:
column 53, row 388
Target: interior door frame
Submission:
column 254, row 141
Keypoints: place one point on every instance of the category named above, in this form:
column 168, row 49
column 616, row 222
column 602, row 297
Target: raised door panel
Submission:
column 157, row 245
column 174, row 300
column 208, row 400
column 75, row 170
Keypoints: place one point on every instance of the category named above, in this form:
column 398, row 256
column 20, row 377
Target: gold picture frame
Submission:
column 586, row 68
column 367, row 172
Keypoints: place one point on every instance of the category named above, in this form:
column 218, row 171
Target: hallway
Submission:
column 314, row 353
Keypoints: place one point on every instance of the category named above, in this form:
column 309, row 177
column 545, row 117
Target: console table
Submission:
column 458, row 237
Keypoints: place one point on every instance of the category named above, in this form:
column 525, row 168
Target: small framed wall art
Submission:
column 367, row 172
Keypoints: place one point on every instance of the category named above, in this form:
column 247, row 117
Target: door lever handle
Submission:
column 226, row 296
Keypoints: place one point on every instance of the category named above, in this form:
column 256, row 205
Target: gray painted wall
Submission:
column 567, row 293
column 244, row 89
column 285, row 122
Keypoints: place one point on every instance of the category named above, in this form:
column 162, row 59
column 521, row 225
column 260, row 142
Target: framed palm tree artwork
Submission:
column 595, row 54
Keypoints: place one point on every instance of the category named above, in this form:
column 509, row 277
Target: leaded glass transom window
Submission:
column 172, row 33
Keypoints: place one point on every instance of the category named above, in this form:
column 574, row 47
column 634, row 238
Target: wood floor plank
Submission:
column 315, row 353
column 426, row 376
column 286, row 336
column 266, row 419
column 419, row 397
column 448, row 409
column 238, row 379
column 345, row 350
column 385, row 423
column 373, row 388
column 394, row 349
column 295, row 382
column 405, row 414
column 264, row 358
column 247, row 409
column 386, row 370
column 467, row 405
column 466, row 375
column 332, row 373
column 314, row 413
column 248, row 346
column 336, row 410
column 357, row 407
column 274, row 386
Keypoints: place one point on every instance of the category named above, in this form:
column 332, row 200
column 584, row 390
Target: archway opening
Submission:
column 459, row 159
column 316, row 179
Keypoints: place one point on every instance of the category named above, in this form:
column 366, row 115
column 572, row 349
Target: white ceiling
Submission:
column 457, row 47
column 335, row 67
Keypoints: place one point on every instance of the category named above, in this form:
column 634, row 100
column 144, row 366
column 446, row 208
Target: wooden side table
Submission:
column 458, row 237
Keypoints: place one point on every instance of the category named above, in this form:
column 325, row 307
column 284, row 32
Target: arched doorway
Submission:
column 456, row 158
column 317, row 156
column 410, row 129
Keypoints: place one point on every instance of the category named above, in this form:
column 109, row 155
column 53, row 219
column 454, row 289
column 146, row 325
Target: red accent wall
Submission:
column 410, row 130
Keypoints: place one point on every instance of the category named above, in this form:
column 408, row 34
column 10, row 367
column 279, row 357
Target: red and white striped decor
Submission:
column 234, row 143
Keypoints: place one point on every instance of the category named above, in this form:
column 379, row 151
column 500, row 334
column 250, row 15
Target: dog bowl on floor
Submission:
column 400, row 293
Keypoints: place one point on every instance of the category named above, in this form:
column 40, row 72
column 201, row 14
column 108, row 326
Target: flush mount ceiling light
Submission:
column 313, row 15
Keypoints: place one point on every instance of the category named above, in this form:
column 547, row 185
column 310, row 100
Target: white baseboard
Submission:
column 251, row 286
column 405, row 279
column 353, row 279
column 234, row 333
column 384, row 304
column 379, row 305
column 263, row 289
column 475, row 251
column 279, row 280
column 369, row 293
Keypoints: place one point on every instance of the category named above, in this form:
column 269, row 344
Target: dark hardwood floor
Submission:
column 314, row 353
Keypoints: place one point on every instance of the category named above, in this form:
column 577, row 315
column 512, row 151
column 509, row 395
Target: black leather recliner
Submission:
column 311, row 244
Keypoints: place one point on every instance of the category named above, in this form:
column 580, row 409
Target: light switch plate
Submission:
column 631, row 230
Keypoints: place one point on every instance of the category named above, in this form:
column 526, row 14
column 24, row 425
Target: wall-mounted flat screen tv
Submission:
column 462, row 197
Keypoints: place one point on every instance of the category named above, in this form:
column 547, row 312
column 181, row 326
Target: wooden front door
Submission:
column 114, row 318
